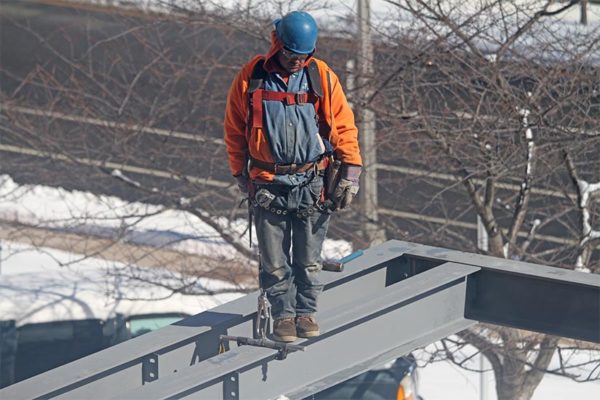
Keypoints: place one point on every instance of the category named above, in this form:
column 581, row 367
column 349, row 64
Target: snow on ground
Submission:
column 446, row 381
column 555, row 387
column 36, row 287
column 77, row 211
column 40, row 284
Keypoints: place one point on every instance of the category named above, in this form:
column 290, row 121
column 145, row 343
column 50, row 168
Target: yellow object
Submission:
column 406, row 389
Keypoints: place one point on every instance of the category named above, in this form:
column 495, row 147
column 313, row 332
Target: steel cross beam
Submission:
column 357, row 337
column 394, row 298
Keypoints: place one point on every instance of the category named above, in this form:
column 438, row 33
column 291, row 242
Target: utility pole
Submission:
column 371, row 231
column 484, row 364
column 583, row 19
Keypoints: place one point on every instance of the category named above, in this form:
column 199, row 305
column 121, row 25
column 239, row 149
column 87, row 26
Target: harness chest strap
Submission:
column 289, row 98
column 255, row 84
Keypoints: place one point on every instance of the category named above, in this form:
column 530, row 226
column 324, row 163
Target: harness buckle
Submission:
column 279, row 169
column 301, row 97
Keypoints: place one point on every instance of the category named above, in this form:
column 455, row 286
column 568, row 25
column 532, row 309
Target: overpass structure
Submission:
column 389, row 301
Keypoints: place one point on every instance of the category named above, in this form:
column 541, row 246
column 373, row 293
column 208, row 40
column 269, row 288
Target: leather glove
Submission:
column 344, row 193
column 347, row 187
column 243, row 183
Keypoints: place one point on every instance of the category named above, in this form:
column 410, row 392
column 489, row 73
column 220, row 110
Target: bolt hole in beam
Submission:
column 150, row 368
column 231, row 389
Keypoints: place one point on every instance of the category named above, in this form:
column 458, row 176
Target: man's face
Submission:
column 292, row 62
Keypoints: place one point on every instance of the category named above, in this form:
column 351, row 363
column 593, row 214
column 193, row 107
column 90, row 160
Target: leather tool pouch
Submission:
column 332, row 177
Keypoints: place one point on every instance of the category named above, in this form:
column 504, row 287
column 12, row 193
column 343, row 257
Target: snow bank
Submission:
column 36, row 287
column 139, row 223
column 43, row 284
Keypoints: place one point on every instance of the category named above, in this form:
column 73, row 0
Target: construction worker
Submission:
column 286, row 112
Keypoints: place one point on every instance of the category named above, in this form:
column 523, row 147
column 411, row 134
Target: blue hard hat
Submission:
column 298, row 31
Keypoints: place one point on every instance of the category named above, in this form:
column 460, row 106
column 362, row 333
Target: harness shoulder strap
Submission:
column 314, row 78
column 258, row 76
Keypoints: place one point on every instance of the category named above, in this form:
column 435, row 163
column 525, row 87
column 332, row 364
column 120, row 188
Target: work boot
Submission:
column 284, row 330
column 306, row 326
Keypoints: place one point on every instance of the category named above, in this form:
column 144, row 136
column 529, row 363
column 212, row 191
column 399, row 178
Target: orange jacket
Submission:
column 334, row 108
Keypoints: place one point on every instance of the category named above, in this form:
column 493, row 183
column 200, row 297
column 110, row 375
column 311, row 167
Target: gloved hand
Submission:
column 347, row 187
column 344, row 193
column 243, row 183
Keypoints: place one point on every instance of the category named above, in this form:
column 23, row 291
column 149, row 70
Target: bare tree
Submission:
column 129, row 101
column 125, row 103
column 492, row 102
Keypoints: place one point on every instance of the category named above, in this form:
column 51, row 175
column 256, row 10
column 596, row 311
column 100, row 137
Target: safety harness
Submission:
column 256, row 96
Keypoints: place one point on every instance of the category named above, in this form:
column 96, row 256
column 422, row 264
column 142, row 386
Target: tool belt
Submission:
column 264, row 199
column 301, row 213
column 285, row 169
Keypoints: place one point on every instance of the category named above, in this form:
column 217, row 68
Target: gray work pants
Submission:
column 290, row 248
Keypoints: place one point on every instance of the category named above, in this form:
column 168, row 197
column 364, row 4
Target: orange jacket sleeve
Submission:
column 235, row 121
column 344, row 134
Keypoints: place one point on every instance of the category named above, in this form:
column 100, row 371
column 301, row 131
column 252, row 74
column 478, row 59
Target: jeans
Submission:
column 290, row 248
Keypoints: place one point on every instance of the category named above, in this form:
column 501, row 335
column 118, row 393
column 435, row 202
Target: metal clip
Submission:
column 264, row 198
column 263, row 315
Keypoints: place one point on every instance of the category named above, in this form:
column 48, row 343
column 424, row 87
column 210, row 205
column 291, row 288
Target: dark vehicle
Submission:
column 34, row 348
column 31, row 349
column 395, row 380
